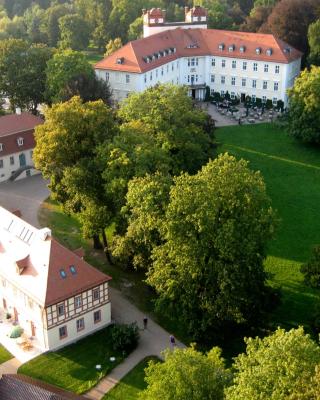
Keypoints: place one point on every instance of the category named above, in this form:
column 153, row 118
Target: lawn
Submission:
column 292, row 174
column 132, row 384
column 4, row 355
column 93, row 56
column 74, row 367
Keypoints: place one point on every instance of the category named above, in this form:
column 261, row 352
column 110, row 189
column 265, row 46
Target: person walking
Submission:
column 145, row 322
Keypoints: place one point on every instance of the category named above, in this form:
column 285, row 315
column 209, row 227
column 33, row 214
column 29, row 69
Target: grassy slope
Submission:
column 292, row 175
column 73, row 367
column 4, row 355
column 132, row 384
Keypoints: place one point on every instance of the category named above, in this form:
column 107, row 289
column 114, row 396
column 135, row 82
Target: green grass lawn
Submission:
column 73, row 367
column 132, row 384
column 93, row 56
column 291, row 171
column 4, row 355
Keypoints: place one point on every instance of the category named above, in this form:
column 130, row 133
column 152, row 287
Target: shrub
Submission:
column 315, row 322
column 258, row 102
column 311, row 270
column 125, row 338
column 269, row 104
column 16, row 332
column 280, row 105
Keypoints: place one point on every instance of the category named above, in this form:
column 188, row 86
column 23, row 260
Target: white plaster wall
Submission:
column 152, row 30
column 8, row 169
column 54, row 341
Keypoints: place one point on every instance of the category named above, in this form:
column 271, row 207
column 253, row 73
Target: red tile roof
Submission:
column 14, row 123
column 207, row 41
column 59, row 288
column 10, row 143
column 198, row 11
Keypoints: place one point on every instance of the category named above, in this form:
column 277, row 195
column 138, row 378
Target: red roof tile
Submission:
column 59, row 288
column 10, row 143
column 14, row 123
column 207, row 41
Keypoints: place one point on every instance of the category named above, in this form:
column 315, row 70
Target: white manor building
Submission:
column 48, row 290
column 187, row 53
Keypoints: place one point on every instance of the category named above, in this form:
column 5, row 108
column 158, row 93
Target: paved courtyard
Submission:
column 26, row 195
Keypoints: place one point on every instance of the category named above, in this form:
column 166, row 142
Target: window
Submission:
column 232, row 95
column 78, row 301
column 197, row 61
column 258, row 50
column 266, row 68
column 265, row 85
column 73, row 270
column 234, row 64
column 162, row 71
column 254, row 83
column 60, row 310
column 107, row 76
column 223, row 80
column 212, row 78
column 96, row 294
column 80, row 324
column 1, row 163
column 1, row 146
column 20, row 141
column 253, row 97
column 172, row 66
column 244, row 82
column 231, row 48
column 223, row 63
column 97, row 316
column 213, row 62
column 31, row 154
column 151, row 76
column 255, row 67
column 244, row 65
column 63, row 333
column 212, row 92
column 275, row 101
column 277, row 69
column 276, row 86
column 11, row 160
column 156, row 73
column 233, row 81
column 63, row 273
column 264, row 99
column 222, row 93
column 145, row 78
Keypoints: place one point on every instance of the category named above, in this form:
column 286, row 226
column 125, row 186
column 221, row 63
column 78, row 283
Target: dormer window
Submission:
column 120, row 60
column 20, row 141
column 231, row 48
column 1, row 146
column 221, row 46
column 287, row 50
column 173, row 49
column 269, row 52
column 63, row 273
column 242, row 49
column 258, row 50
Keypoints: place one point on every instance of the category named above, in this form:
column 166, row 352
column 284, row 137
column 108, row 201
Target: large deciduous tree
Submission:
column 187, row 374
column 74, row 32
column 175, row 124
column 304, row 110
column 22, row 73
column 282, row 366
column 314, row 42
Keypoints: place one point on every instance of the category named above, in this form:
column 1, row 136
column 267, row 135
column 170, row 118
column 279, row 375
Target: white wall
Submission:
column 8, row 168
column 152, row 30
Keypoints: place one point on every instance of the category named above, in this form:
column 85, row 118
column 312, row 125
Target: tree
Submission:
column 290, row 20
column 278, row 367
column 34, row 19
column 218, row 14
column 112, row 46
column 187, row 374
column 257, row 18
column 311, row 270
column 25, row 87
column 175, row 124
column 51, row 23
column 314, row 42
column 64, row 66
column 135, row 29
column 213, row 242
column 74, row 32
column 304, row 110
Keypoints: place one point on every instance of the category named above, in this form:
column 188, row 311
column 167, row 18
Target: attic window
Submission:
column 287, row 50
column 192, row 46
column 120, row 60
column 20, row 141
column 173, row 49
column 242, row 49
column 269, row 52
column 73, row 269
column 258, row 50
column 231, row 48
column 1, row 146
column 63, row 273
column 221, row 46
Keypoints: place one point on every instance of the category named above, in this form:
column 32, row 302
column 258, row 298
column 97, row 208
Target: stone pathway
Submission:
column 153, row 341
column 10, row 366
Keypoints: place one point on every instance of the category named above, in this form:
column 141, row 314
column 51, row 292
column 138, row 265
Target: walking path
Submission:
column 10, row 367
column 153, row 341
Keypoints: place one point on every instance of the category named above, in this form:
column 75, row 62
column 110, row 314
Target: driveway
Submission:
column 26, row 195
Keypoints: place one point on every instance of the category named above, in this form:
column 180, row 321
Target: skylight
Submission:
column 73, row 269
column 63, row 273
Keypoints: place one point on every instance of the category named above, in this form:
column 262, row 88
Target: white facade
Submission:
column 10, row 163
column 240, row 77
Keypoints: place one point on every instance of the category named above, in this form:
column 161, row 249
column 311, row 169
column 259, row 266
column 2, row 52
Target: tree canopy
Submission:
column 187, row 374
column 304, row 106
column 314, row 42
column 282, row 366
